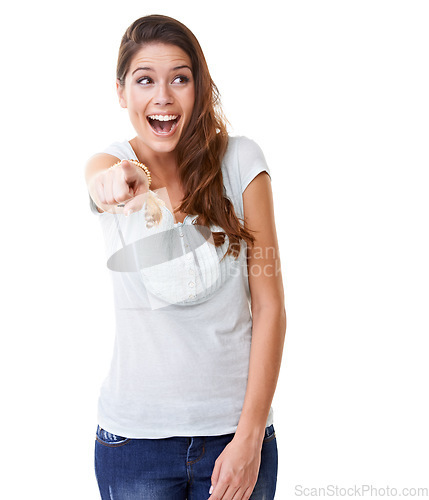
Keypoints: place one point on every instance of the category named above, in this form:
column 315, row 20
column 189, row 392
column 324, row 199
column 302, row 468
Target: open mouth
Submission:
column 163, row 124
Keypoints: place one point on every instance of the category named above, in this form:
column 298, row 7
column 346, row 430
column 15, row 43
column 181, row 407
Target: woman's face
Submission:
column 159, row 94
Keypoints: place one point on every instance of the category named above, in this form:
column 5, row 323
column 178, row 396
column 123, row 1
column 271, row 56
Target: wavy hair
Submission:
column 204, row 141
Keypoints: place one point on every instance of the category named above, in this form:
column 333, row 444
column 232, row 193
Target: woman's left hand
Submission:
column 236, row 471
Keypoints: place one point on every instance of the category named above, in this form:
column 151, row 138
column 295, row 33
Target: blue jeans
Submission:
column 175, row 468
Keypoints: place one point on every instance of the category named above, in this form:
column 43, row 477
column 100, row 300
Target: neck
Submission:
column 162, row 166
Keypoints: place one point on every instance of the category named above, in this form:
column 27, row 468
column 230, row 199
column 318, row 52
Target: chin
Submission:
column 161, row 146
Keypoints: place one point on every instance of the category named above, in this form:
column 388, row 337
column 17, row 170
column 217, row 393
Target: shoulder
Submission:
column 245, row 157
column 120, row 149
column 242, row 145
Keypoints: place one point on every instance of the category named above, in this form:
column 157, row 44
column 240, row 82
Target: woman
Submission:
column 187, row 215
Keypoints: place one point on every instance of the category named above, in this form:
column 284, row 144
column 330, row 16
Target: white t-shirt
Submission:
column 183, row 319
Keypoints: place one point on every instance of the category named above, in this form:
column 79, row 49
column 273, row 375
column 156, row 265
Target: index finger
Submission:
column 132, row 172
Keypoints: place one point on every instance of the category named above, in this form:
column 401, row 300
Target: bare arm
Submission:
column 96, row 164
column 268, row 310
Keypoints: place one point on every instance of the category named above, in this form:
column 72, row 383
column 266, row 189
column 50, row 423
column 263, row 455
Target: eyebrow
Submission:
column 146, row 68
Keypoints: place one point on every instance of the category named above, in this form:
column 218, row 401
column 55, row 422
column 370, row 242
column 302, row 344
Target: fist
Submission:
column 125, row 185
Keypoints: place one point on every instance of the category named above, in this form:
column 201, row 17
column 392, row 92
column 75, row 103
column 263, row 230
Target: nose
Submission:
column 163, row 95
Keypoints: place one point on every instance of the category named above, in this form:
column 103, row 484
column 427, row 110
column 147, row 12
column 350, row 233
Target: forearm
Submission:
column 268, row 335
column 95, row 166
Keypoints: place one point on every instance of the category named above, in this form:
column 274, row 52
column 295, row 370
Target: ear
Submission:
column 120, row 90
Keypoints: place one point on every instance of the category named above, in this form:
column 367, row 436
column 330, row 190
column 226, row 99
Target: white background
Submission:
column 336, row 94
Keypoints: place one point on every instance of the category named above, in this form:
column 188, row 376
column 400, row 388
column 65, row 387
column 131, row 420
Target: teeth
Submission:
column 163, row 118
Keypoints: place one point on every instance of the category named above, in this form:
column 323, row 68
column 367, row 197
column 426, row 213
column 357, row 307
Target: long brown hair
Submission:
column 205, row 139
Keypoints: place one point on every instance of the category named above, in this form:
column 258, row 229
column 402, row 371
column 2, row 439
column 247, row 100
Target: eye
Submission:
column 184, row 79
column 145, row 80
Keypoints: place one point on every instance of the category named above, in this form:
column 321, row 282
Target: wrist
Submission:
column 138, row 164
column 252, row 435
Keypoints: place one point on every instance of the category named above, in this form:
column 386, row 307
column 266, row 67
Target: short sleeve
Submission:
column 251, row 161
